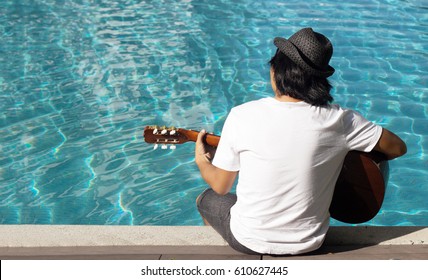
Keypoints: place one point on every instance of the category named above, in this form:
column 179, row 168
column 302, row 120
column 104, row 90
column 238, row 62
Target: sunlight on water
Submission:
column 79, row 80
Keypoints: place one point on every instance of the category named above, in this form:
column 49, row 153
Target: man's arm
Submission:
column 221, row 181
column 390, row 144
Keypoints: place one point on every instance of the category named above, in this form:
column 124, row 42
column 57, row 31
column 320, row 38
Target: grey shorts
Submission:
column 215, row 209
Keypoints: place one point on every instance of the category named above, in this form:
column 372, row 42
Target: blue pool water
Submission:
column 80, row 79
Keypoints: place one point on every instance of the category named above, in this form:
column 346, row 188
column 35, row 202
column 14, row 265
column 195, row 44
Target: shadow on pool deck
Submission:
column 197, row 242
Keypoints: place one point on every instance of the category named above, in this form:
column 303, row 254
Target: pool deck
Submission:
column 197, row 242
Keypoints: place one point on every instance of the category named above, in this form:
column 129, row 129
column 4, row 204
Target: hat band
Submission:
column 309, row 62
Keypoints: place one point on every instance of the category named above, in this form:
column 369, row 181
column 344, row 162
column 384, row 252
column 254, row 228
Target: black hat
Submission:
column 309, row 50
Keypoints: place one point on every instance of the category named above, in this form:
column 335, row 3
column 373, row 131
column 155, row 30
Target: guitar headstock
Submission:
column 164, row 136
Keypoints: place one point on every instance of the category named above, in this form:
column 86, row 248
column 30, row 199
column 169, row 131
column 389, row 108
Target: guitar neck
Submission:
column 192, row 135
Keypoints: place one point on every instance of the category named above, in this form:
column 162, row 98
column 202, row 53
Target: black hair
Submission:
column 292, row 80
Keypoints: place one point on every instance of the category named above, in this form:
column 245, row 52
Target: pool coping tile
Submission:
column 195, row 242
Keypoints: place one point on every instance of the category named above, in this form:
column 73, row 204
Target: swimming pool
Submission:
column 80, row 79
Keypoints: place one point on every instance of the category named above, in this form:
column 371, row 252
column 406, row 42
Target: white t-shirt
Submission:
column 289, row 156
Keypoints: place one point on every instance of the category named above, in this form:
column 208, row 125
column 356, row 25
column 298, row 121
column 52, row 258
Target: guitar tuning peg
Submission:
column 164, row 131
column 172, row 147
column 155, row 146
column 164, row 147
column 172, row 132
column 155, row 131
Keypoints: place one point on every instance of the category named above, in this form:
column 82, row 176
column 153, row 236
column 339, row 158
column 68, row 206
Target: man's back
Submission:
column 289, row 156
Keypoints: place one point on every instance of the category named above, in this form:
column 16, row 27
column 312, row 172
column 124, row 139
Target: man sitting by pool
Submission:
column 288, row 150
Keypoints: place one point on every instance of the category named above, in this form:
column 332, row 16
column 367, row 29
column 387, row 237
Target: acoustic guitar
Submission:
column 359, row 190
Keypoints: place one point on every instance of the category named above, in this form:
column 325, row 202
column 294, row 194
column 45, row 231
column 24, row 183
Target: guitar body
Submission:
column 359, row 190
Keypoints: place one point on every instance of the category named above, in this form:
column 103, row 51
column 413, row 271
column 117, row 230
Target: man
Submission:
column 288, row 150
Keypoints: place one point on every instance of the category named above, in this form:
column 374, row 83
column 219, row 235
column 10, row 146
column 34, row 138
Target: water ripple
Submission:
column 80, row 80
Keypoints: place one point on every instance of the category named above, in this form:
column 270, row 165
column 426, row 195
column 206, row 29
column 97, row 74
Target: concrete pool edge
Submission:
column 28, row 240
